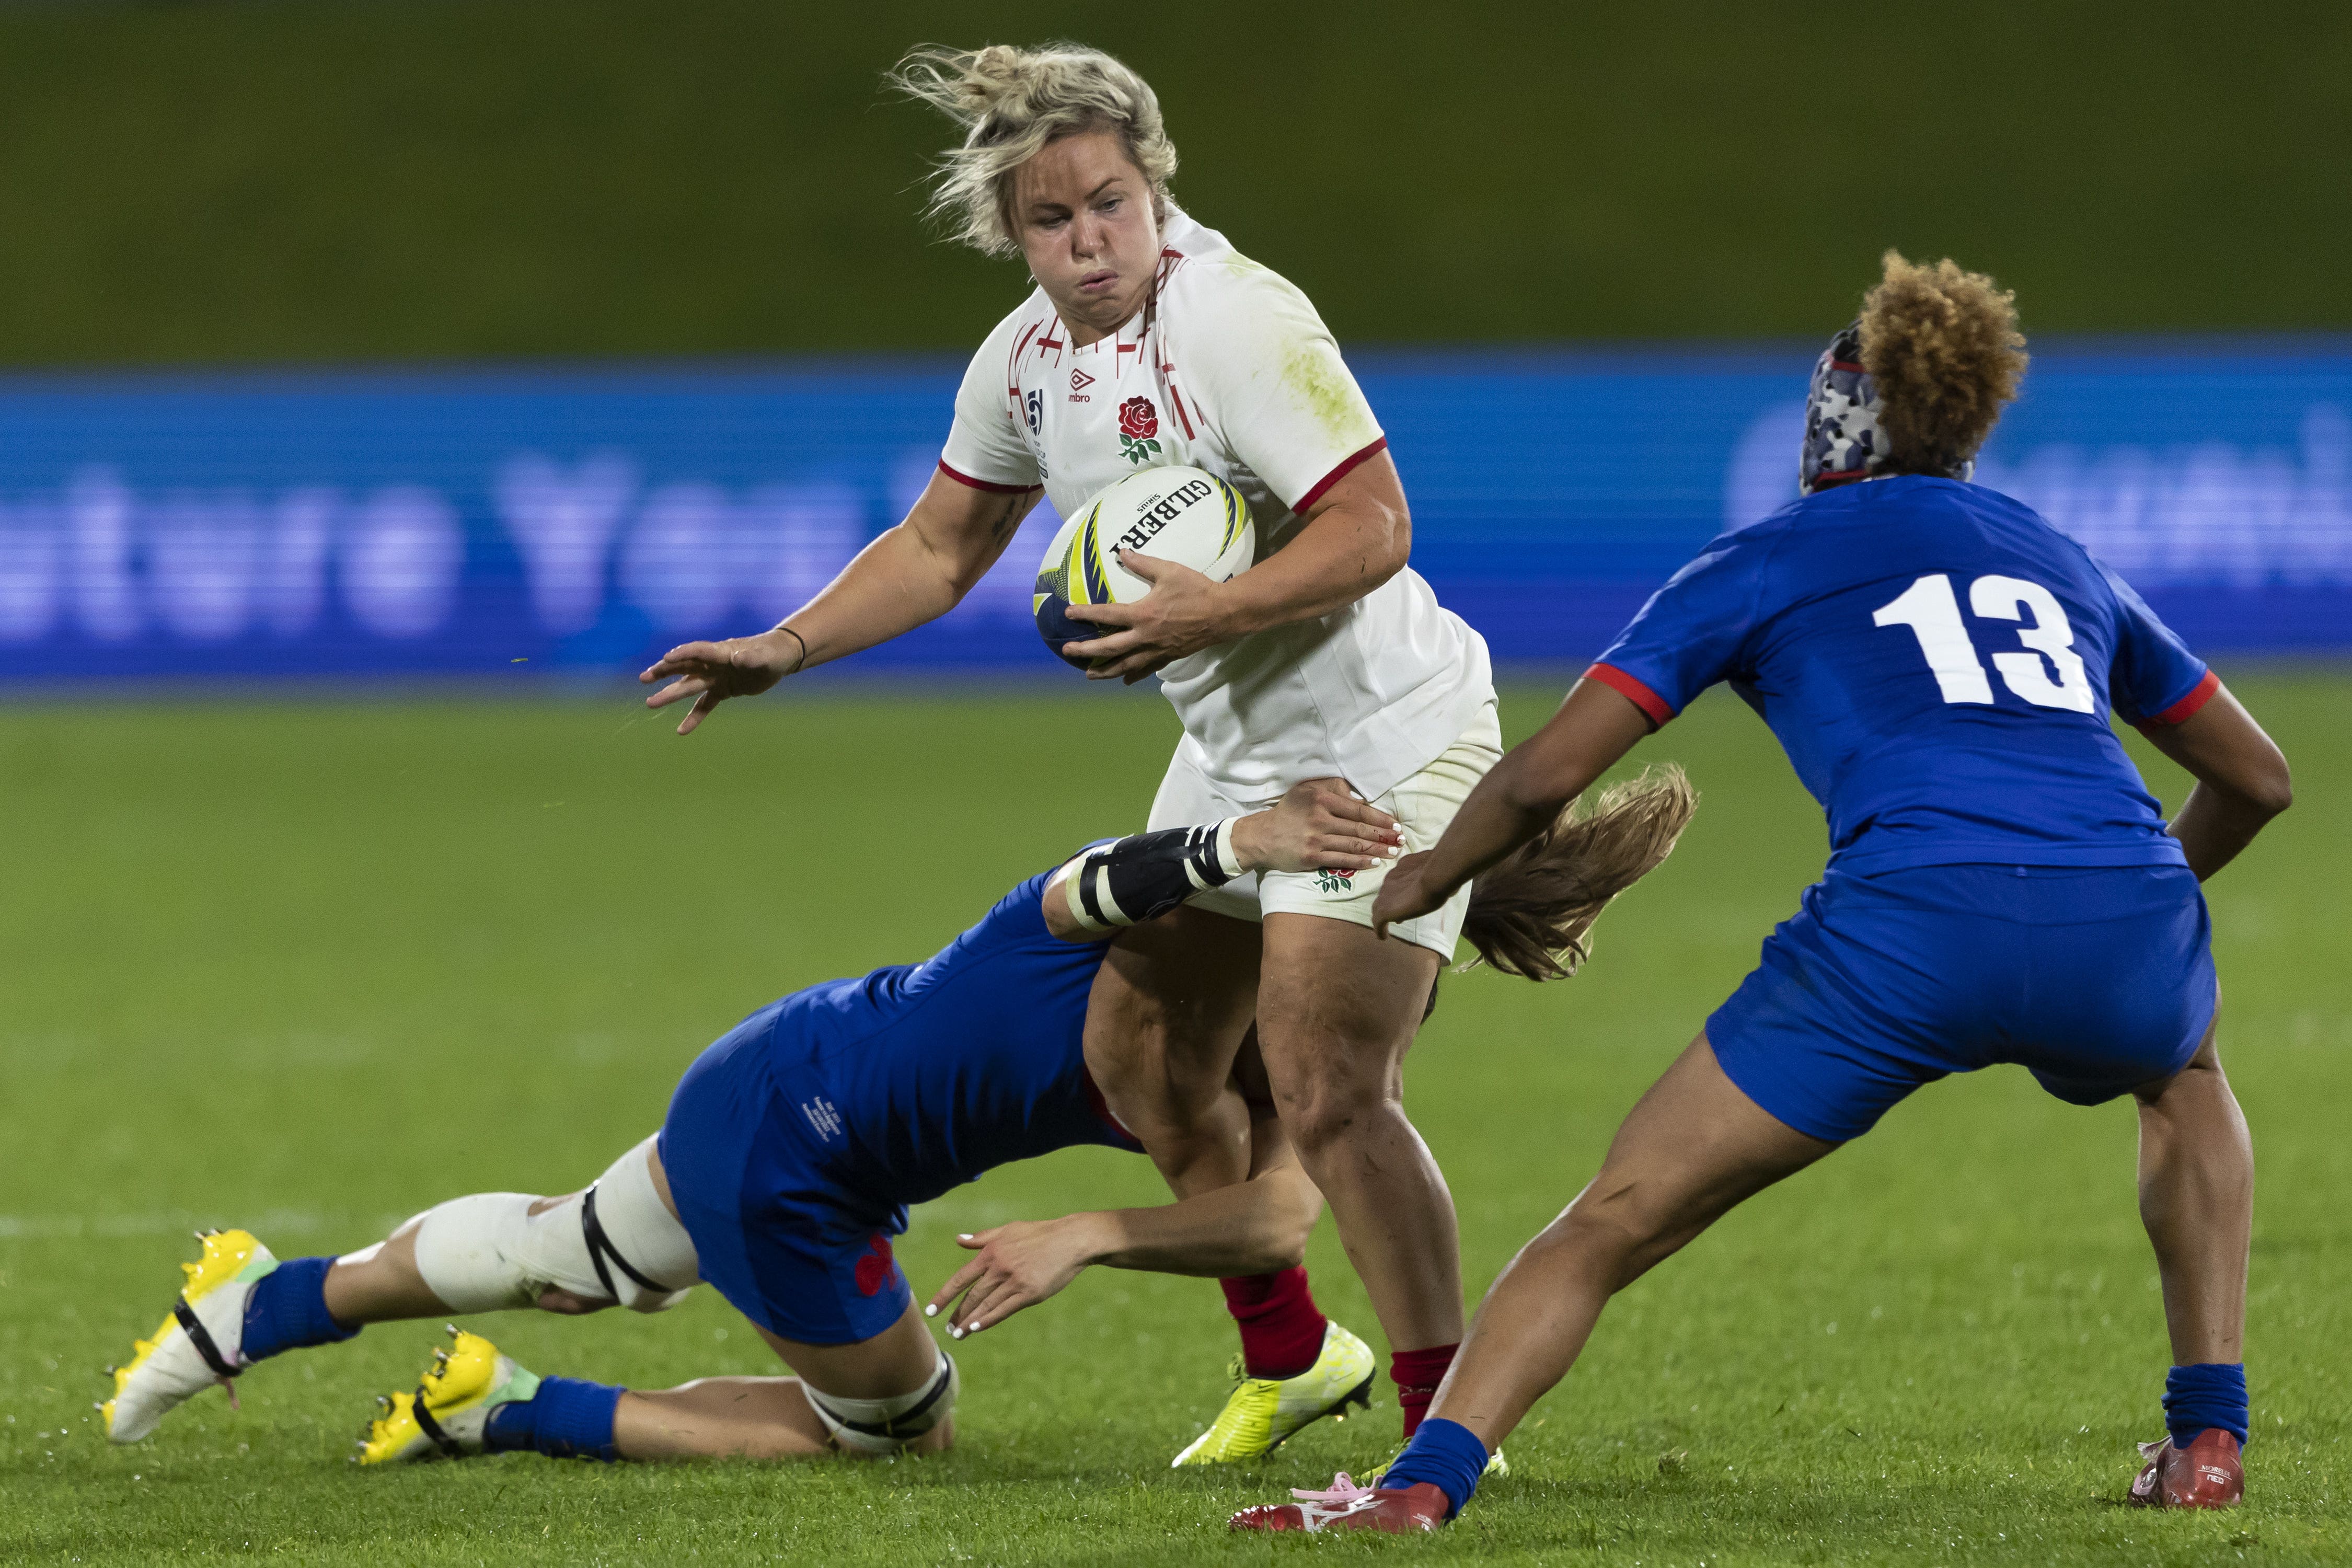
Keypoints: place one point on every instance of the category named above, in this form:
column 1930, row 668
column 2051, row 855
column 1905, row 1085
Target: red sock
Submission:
column 1417, row 1374
column 1282, row 1333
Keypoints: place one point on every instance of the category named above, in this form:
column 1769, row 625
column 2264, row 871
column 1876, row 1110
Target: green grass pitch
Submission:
column 309, row 967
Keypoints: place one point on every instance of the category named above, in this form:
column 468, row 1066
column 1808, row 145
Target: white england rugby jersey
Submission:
column 1230, row 369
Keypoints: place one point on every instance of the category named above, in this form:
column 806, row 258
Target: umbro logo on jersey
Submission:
column 1080, row 381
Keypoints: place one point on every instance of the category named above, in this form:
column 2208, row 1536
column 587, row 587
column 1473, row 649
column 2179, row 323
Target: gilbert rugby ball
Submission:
column 1186, row 515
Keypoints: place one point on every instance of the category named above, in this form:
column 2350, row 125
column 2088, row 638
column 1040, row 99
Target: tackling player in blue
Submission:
column 794, row 1145
column 1939, row 664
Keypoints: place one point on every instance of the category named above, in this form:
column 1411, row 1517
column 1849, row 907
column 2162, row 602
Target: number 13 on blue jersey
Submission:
column 1932, row 611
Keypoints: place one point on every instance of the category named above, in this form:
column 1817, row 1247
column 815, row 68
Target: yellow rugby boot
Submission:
column 1264, row 1412
column 198, row 1344
column 445, row 1417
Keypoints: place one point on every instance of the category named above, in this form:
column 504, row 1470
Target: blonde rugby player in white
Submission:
column 1149, row 341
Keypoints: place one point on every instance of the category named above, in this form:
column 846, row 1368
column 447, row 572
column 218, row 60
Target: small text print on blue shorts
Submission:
column 2097, row 979
column 752, row 1160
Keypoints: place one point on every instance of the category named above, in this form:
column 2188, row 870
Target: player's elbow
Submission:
column 2274, row 792
column 2262, row 784
column 1289, row 1220
column 1059, row 919
column 2274, row 784
column 1393, row 546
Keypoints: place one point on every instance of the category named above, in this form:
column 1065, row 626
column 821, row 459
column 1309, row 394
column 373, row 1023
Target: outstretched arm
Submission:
column 1518, row 798
column 1257, row 1227
column 2242, row 780
column 914, row 573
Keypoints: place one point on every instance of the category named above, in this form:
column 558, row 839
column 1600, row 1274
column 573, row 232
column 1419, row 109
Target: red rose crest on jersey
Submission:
column 875, row 1268
column 1139, row 422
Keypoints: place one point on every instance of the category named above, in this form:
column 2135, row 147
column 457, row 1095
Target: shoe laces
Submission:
column 1343, row 1489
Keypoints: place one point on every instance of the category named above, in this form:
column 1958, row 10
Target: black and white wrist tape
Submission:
column 1143, row 877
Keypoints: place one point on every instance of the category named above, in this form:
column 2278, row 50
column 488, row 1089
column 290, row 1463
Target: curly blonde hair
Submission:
column 1012, row 101
column 1944, row 349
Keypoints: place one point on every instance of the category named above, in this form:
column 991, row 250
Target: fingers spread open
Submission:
column 970, row 1316
column 1004, row 1303
column 684, row 656
column 947, row 1293
column 700, row 712
column 678, row 690
column 1131, row 668
column 1348, row 808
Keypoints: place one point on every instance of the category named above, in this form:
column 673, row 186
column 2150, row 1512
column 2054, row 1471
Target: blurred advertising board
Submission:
column 477, row 521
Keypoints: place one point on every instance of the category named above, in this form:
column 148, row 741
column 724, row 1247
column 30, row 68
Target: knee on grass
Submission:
column 917, row 1422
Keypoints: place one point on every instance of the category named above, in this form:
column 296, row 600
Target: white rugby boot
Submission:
column 1265, row 1412
column 445, row 1417
column 198, row 1345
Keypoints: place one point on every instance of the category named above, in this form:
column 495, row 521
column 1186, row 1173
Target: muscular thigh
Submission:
column 1166, row 1016
column 1338, row 1008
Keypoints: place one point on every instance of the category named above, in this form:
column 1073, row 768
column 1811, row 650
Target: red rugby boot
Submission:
column 2206, row 1474
column 1348, row 1506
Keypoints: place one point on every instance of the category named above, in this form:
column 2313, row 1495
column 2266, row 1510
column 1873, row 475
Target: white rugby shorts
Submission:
column 1422, row 804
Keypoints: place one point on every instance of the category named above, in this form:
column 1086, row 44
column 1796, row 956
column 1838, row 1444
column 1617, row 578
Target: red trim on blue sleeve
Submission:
column 984, row 484
column 1634, row 691
column 1347, row 465
column 2198, row 695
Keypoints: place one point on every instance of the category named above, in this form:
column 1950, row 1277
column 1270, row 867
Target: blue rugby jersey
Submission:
column 918, row 1077
column 1938, row 663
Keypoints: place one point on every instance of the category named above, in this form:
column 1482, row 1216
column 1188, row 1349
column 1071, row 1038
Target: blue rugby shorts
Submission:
column 2096, row 979
column 777, row 1229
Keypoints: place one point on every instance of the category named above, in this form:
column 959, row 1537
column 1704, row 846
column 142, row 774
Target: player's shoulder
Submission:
column 1908, row 520
column 1201, row 272
column 1034, row 315
column 1750, row 540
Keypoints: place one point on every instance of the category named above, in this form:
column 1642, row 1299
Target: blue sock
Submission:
column 288, row 1311
column 1444, row 1452
column 568, row 1418
column 2209, row 1393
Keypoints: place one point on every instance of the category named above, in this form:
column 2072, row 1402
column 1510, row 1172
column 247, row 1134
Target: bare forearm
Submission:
column 1340, row 555
column 2243, row 780
column 1524, row 792
column 2214, row 826
column 1506, row 810
column 1255, row 1227
column 914, row 573
column 894, row 585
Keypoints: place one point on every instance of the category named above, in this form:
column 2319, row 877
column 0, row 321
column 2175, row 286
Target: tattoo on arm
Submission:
column 1010, row 519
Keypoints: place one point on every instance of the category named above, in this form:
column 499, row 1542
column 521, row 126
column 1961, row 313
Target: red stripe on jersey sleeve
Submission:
column 1632, row 692
column 2198, row 695
column 1347, row 465
column 984, row 484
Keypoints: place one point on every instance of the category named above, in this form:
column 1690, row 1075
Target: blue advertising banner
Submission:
column 479, row 520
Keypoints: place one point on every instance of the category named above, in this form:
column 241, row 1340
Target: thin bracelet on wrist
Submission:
column 800, row 663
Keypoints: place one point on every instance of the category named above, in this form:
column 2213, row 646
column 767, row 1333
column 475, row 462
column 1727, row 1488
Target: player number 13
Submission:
column 1933, row 613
